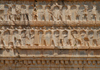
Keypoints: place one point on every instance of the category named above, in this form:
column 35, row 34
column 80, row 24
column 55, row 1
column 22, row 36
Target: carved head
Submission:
column 91, row 34
column 65, row 33
column 56, row 33
column 52, row 27
column 2, row 27
column 12, row 27
column 83, row 33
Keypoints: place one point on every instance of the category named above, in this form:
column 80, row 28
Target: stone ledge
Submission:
column 50, row 23
column 50, row 53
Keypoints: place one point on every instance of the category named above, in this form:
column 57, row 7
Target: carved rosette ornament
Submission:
column 49, row 35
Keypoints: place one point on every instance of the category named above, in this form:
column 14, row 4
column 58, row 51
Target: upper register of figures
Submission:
column 49, row 11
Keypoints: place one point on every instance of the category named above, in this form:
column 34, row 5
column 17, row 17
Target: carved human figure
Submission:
column 36, row 42
column 52, row 36
column 56, row 38
column 6, row 8
column 13, row 13
column 44, row 43
column 95, row 43
column 79, row 42
column 40, row 13
column 69, row 43
column 86, row 38
column 34, row 14
column 90, row 36
column 28, row 37
column 18, row 36
column 23, row 12
column 76, row 38
column 32, row 33
column 30, row 12
column 56, row 13
column 81, row 12
column 92, row 15
column 83, row 33
column 69, row 14
column 65, row 37
column 23, row 37
column 14, row 9
column 74, row 35
column 73, row 12
column 11, row 40
column 9, row 14
column 48, row 37
column 85, row 12
column 47, row 13
column 15, row 34
column 64, row 13
column 61, row 36
column 18, row 16
column 6, row 37
column 41, row 37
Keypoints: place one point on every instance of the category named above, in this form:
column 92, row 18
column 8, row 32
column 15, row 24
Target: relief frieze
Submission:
column 49, row 37
column 53, row 12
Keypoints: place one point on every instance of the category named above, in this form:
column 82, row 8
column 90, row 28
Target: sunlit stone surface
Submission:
column 49, row 35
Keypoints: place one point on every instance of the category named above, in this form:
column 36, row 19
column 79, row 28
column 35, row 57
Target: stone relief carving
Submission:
column 51, row 12
column 58, row 37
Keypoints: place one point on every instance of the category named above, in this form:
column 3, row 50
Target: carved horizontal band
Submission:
column 54, row 53
column 49, row 14
column 47, row 62
column 53, row 64
column 26, row 37
column 51, row 23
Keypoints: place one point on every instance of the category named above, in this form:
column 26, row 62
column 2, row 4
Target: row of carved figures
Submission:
column 49, row 13
column 49, row 37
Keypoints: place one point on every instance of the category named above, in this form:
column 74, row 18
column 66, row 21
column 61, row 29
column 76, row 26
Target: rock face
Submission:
column 54, row 35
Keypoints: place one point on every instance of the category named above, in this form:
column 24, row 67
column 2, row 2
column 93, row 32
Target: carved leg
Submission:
column 55, row 42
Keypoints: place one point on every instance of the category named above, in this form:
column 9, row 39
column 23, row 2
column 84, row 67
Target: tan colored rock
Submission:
column 54, row 35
